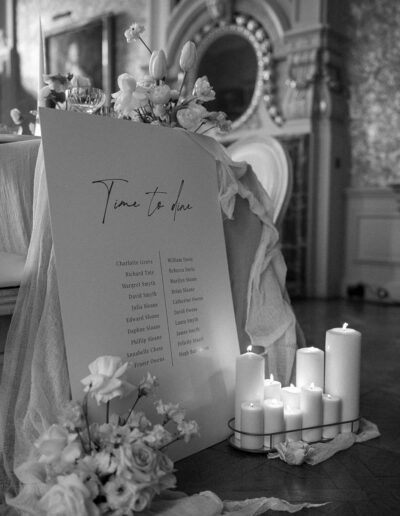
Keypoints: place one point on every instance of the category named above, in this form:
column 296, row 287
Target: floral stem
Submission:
column 188, row 100
column 145, row 44
column 141, row 115
column 197, row 128
column 208, row 129
column 107, row 412
column 182, row 84
column 177, row 438
column 82, row 441
column 132, row 408
column 85, row 413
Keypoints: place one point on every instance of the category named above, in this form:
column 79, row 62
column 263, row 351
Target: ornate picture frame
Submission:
column 242, row 27
column 85, row 49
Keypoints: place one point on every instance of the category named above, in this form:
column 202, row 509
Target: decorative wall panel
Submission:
column 294, row 232
column 373, row 245
column 378, row 238
column 374, row 78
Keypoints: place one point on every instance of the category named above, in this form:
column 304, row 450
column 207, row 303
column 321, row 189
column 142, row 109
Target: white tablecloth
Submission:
column 35, row 377
column 17, row 165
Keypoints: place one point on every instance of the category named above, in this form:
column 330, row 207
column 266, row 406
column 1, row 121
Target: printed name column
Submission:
column 187, row 300
column 141, row 286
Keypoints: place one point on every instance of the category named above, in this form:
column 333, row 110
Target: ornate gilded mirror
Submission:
column 235, row 55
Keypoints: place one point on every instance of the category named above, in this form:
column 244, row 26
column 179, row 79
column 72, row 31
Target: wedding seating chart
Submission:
column 141, row 260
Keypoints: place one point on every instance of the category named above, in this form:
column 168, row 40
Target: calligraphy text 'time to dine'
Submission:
column 153, row 201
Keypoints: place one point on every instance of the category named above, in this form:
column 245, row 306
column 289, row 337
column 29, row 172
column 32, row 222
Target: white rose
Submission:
column 143, row 457
column 126, row 82
column 191, row 117
column 105, row 383
column 69, row 497
column 160, row 94
column 120, row 494
column 142, row 499
column 164, row 464
column 52, row 443
column 203, row 90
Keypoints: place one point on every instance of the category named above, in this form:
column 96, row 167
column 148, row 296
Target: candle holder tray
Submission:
column 233, row 441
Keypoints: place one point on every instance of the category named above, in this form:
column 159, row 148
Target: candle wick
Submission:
column 345, row 325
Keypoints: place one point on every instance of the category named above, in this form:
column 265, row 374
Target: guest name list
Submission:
column 163, row 309
column 137, row 230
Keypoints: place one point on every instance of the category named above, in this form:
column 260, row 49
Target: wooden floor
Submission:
column 363, row 480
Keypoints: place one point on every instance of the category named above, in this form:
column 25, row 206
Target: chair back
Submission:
column 272, row 166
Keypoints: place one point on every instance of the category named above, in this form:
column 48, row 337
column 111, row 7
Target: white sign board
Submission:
column 141, row 260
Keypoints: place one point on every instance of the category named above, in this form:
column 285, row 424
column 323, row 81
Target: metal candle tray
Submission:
column 265, row 449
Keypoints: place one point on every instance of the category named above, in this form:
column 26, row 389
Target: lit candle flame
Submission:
column 345, row 325
column 249, row 348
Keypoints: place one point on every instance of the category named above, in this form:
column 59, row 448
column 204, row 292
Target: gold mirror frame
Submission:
column 247, row 27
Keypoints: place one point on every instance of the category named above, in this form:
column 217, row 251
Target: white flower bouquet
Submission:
column 116, row 468
column 151, row 100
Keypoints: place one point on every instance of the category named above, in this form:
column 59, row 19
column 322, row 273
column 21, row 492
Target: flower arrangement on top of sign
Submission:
column 148, row 100
column 151, row 100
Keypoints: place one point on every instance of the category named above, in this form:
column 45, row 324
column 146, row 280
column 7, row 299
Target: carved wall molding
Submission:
column 315, row 79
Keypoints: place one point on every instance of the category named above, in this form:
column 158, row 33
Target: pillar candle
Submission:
column 291, row 396
column 331, row 412
column 273, row 422
column 310, row 367
column 311, row 407
column 342, row 371
column 252, row 421
column 293, row 421
column 250, row 370
column 272, row 388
